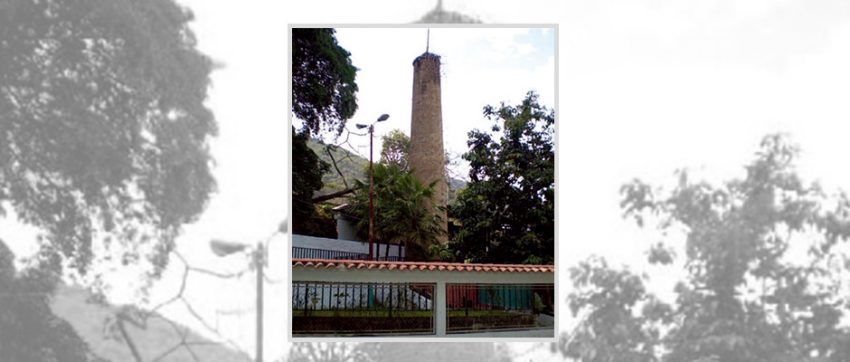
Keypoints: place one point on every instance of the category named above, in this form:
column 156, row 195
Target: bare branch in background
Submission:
column 139, row 319
column 333, row 161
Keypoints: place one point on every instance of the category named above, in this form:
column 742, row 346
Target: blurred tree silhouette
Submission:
column 103, row 134
column 766, row 267
column 610, row 329
column 103, row 125
column 29, row 330
column 331, row 352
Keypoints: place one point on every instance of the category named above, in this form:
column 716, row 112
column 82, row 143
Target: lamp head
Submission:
column 283, row 227
column 224, row 248
column 360, row 126
column 383, row 117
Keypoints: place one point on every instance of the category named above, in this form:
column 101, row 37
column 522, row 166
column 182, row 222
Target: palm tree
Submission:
column 401, row 207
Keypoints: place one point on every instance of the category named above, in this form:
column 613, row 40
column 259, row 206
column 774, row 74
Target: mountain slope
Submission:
column 354, row 167
column 157, row 342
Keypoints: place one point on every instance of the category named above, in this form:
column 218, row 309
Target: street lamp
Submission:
column 224, row 248
column 382, row 118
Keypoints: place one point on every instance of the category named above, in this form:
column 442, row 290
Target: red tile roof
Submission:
column 420, row 265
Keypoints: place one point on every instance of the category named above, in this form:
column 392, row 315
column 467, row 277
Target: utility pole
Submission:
column 371, row 189
column 371, row 127
column 259, row 260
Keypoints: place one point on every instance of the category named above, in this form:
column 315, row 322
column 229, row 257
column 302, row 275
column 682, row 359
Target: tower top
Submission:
column 426, row 56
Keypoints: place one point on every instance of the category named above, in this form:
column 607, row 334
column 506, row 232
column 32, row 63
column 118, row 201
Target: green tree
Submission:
column 395, row 149
column 506, row 213
column 307, row 171
column 324, row 92
column 400, row 212
column 324, row 98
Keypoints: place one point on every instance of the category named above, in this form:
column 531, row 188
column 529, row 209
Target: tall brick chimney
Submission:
column 427, row 157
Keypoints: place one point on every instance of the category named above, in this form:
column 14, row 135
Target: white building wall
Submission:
column 313, row 242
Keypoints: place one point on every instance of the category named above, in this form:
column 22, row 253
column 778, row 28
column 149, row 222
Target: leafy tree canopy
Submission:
column 324, row 92
column 607, row 301
column 307, row 171
column 400, row 212
column 395, row 149
column 324, row 98
column 103, row 127
column 506, row 213
column 29, row 331
column 766, row 264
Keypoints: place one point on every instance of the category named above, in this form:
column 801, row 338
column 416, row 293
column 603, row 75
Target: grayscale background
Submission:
column 646, row 87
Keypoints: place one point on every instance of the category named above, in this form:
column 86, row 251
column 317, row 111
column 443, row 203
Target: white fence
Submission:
column 430, row 275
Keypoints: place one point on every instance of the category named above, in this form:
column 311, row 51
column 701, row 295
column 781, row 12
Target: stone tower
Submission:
column 427, row 157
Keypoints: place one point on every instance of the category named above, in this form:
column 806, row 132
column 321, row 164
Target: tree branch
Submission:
column 333, row 161
column 127, row 339
column 332, row 195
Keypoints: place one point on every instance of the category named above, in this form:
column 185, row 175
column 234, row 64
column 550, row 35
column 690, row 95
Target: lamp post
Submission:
column 382, row 118
column 223, row 248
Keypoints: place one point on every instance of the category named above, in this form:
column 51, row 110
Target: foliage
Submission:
column 437, row 351
column 320, row 224
column 351, row 167
column 324, row 98
column 29, row 331
column 766, row 256
column 307, row 171
column 323, row 81
column 395, row 148
column 610, row 330
column 440, row 252
column 103, row 148
column 761, row 282
column 400, row 212
column 331, row 352
column 506, row 213
column 103, row 126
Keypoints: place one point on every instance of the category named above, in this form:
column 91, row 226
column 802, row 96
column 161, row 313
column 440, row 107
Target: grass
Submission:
column 399, row 313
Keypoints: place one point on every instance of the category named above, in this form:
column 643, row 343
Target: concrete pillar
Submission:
column 440, row 311
column 427, row 157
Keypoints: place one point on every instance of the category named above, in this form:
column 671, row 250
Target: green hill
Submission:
column 349, row 164
column 154, row 343
column 354, row 167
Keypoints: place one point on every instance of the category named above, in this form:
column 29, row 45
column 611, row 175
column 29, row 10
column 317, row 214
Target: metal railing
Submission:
column 487, row 307
column 312, row 253
column 362, row 308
